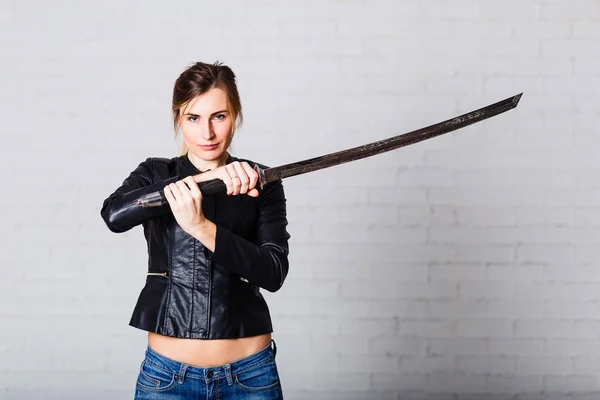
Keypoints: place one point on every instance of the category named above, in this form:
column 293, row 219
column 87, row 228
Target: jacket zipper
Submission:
column 163, row 274
column 209, row 298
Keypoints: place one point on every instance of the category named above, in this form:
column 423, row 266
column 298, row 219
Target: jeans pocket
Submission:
column 152, row 378
column 258, row 379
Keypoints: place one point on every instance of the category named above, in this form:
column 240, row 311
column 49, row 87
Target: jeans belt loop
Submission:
column 227, row 368
column 182, row 371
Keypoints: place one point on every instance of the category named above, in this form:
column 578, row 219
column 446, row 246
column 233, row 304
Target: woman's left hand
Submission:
column 185, row 200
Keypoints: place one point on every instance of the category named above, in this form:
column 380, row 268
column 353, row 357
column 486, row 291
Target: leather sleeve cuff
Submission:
column 260, row 265
column 121, row 213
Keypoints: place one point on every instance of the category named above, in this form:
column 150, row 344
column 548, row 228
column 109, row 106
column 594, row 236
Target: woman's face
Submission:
column 207, row 126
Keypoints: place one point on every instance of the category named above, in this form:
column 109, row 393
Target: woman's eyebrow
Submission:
column 216, row 112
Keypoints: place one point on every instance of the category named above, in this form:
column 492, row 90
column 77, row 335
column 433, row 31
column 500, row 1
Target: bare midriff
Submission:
column 207, row 352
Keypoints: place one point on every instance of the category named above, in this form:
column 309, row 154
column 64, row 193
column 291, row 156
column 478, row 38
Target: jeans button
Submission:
column 210, row 374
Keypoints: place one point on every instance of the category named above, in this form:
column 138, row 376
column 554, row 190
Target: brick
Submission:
column 425, row 215
column 545, row 253
column 426, row 364
column 540, row 366
column 510, row 308
column 560, row 11
column 484, row 328
column 585, row 29
column 485, row 216
column 369, row 363
column 587, row 253
column 455, row 309
column 289, row 325
column 514, row 384
column 544, row 328
column 486, row 290
column 400, row 272
column 585, row 365
column 370, row 290
column 370, row 327
column 572, row 47
column 450, row 383
column 572, row 383
column 460, row 10
column 456, row 346
column 541, row 29
column 545, row 216
column 457, row 273
column 351, row 381
column 425, row 291
column 514, row 347
column 571, row 347
column 426, row 328
column 567, row 272
column 398, row 346
column 513, row 47
column 306, row 363
column 571, row 308
column 586, row 328
column 478, row 365
column 510, row 10
column 399, row 383
column 515, row 84
column 485, row 253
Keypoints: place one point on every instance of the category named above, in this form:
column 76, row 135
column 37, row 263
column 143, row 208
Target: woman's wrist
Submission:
column 206, row 232
column 203, row 177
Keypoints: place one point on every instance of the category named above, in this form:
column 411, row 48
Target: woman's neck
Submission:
column 205, row 165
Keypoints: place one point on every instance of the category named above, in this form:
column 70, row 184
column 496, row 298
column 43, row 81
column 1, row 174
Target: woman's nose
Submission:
column 207, row 132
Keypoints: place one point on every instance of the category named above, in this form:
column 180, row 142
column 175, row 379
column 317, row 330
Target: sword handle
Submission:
column 157, row 199
column 212, row 187
column 208, row 188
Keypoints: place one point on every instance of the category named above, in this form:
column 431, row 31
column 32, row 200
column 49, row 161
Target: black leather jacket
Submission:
column 191, row 292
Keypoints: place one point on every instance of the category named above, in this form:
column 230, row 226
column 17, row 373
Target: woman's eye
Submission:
column 220, row 117
column 192, row 118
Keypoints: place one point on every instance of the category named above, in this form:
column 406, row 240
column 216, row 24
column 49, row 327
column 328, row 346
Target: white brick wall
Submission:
column 462, row 268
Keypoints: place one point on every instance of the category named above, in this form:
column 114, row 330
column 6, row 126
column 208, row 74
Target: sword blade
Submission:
column 382, row 146
column 267, row 175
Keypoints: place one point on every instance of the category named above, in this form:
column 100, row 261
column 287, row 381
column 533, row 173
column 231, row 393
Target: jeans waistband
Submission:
column 183, row 370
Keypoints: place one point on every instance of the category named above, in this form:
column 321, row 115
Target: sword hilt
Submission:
column 157, row 199
column 207, row 188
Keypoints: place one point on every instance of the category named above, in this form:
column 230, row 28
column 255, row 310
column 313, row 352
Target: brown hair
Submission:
column 198, row 79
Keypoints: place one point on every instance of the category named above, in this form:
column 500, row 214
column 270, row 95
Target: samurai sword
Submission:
column 267, row 175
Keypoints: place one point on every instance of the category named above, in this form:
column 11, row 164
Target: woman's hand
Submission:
column 185, row 200
column 239, row 177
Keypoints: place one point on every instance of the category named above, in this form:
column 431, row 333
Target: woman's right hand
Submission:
column 239, row 177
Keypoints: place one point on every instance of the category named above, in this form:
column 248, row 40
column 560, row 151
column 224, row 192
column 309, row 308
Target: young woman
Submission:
column 209, row 328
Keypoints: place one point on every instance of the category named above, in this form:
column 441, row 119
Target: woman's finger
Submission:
column 252, row 175
column 186, row 196
column 194, row 189
column 169, row 196
column 243, row 176
column 176, row 192
column 226, row 178
column 235, row 180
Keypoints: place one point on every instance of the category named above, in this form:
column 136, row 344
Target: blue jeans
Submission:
column 253, row 377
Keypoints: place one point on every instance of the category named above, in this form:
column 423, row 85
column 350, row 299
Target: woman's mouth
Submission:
column 209, row 147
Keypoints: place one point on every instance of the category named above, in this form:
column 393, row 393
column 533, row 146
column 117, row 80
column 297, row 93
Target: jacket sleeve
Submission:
column 264, row 263
column 120, row 211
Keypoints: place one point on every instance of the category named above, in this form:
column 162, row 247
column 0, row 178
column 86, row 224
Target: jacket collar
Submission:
column 190, row 168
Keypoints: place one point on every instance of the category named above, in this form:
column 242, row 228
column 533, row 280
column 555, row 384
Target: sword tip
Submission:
column 515, row 99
